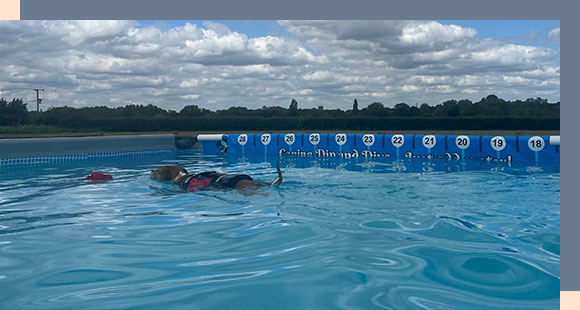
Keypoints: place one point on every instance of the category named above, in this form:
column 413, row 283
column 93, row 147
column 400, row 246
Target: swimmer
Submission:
column 211, row 180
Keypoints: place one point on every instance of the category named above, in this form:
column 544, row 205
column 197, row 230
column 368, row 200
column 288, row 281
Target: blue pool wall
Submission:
column 516, row 149
column 57, row 150
column 30, row 147
column 52, row 151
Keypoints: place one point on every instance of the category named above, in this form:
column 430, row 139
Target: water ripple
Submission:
column 335, row 235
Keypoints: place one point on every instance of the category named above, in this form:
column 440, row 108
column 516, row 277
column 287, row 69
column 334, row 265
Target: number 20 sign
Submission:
column 462, row 142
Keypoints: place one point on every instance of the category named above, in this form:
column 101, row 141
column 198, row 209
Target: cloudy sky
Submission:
column 218, row 64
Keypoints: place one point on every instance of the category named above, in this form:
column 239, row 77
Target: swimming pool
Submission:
column 338, row 234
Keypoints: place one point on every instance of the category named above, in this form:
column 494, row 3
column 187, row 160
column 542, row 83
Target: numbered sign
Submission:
column 340, row 138
column 429, row 141
column 266, row 138
column 398, row 140
column 369, row 140
column 243, row 139
column 462, row 142
column 289, row 138
column 314, row 138
column 536, row 143
column 498, row 143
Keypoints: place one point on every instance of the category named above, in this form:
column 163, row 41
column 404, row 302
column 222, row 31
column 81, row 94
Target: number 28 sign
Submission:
column 243, row 139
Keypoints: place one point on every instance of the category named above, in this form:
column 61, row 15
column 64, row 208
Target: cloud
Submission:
column 190, row 97
column 553, row 36
column 512, row 54
column 434, row 35
column 317, row 76
column 85, row 31
column 410, row 88
column 317, row 62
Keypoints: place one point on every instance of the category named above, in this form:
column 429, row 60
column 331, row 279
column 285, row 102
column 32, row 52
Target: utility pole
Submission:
column 38, row 100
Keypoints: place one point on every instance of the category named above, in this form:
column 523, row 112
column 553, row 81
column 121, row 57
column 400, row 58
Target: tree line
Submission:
column 13, row 113
column 490, row 112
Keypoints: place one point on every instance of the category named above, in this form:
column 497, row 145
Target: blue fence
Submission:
column 538, row 150
column 530, row 149
column 84, row 157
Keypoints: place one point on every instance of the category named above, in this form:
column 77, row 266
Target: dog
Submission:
column 211, row 180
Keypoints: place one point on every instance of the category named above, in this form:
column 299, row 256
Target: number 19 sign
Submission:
column 498, row 143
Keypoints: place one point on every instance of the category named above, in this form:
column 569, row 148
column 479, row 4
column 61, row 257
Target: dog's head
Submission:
column 168, row 173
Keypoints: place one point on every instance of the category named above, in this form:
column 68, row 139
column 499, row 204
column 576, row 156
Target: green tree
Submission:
column 425, row 110
column 466, row 107
column 450, row 108
column 492, row 106
column 13, row 113
column 274, row 112
column 293, row 105
column 402, row 109
column 375, row 109
column 355, row 107
column 191, row 111
column 235, row 112
column 414, row 111
column 293, row 109
column 490, row 113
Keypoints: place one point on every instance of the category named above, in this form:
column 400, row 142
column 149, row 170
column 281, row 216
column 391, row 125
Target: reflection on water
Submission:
column 338, row 234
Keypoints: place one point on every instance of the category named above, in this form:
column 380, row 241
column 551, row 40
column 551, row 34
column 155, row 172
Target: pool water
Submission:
column 337, row 234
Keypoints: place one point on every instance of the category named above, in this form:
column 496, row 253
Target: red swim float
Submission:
column 98, row 176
